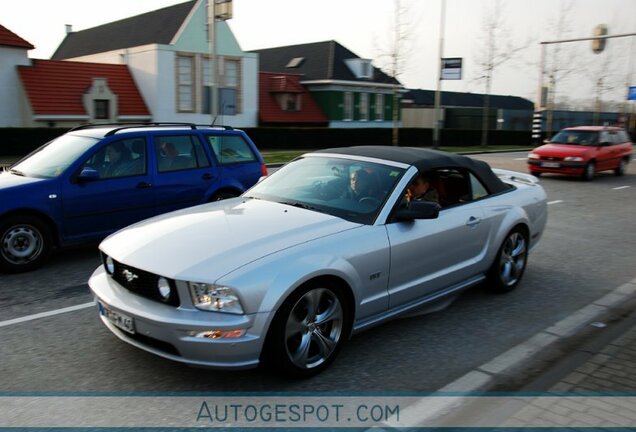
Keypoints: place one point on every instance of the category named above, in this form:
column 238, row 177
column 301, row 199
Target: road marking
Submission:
column 555, row 202
column 46, row 314
column 523, row 158
column 621, row 187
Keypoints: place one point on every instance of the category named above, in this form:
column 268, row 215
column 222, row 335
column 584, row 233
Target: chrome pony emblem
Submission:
column 130, row 276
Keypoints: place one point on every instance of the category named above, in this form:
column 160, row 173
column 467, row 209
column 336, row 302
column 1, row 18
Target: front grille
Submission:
column 551, row 158
column 142, row 283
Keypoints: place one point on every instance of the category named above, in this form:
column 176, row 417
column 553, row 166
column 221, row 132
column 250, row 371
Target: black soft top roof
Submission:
column 426, row 160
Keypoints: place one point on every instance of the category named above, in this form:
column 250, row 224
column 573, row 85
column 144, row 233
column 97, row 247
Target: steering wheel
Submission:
column 370, row 201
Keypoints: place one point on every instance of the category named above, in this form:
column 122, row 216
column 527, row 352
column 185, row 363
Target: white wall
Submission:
column 11, row 94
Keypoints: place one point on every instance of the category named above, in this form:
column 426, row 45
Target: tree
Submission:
column 393, row 59
column 493, row 54
column 563, row 59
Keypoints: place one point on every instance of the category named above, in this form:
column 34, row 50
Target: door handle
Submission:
column 473, row 221
column 207, row 176
column 143, row 185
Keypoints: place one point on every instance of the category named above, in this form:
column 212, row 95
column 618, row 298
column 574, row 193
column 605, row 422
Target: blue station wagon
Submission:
column 96, row 179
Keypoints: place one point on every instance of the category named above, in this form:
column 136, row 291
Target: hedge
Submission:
column 20, row 141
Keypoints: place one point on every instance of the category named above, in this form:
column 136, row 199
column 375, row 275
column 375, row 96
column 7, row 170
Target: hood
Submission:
column 205, row 242
column 562, row 150
column 8, row 180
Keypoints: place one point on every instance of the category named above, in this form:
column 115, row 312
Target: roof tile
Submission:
column 8, row 38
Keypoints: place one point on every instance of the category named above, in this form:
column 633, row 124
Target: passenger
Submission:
column 118, row 159
column 172, row 160
column 420, row 189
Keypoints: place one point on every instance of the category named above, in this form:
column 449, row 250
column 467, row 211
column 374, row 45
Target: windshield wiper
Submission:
column 16, row 172
column 302, row 205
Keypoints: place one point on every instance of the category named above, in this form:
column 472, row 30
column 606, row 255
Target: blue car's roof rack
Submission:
column 122, row 126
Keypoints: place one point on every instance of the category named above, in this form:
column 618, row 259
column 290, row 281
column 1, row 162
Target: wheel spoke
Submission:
column 301, row 356
column 294, row 326
column 333, row 312
column 325, row 344
column 312, row 303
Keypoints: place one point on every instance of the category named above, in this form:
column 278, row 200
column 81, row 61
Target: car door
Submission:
column 114, row 198
column 607, row 151
column 237, row 160
column 431, row 255
column 183, row 172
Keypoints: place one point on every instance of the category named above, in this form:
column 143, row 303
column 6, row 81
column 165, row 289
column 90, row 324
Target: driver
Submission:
column 359, row 185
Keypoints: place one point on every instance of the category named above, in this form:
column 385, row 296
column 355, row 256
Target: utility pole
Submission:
column 438, row 96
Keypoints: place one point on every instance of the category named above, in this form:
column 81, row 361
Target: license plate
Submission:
column 550, row 164
column 117, row 319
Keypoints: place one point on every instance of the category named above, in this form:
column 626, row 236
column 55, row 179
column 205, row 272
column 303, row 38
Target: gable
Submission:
column 10, row 39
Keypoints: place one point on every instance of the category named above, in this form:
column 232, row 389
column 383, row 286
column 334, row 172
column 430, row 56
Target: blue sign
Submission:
column 632, row 93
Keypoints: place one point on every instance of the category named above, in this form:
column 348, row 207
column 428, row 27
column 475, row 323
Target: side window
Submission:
column 604, row 137
column 179, row 152
column 478, row 189
column 230, row 149
column 454, row 187
column 123, row 158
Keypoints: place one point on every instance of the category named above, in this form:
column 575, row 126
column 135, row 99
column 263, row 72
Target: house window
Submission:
column 288, row 101
column 348, row 106
column 102, row 109
column 364, row 106
column 379, row 107
column 185, row 87
column 232, row 83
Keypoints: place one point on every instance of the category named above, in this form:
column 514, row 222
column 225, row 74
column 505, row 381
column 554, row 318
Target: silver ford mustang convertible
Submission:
column 335, row 242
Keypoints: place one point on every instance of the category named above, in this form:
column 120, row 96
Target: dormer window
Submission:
column 295, row 62
column 100, row 102
column 361, row 68
column 289, row 101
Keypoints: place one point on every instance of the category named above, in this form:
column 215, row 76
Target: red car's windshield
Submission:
column 575, row 137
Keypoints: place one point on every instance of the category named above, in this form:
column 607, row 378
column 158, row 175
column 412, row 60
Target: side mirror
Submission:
column 418, row 210
column 88, row 175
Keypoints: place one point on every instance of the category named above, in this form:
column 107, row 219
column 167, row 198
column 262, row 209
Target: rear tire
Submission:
column 620, row 169
column 25, row 243
column 308, row 330
column 507, row 270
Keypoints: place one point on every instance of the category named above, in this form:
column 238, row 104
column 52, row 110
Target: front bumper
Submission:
column 169, row 331
column 567, row 168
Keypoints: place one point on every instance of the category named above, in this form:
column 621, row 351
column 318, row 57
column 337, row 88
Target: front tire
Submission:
column 308, row 330
column 25, row 243
column 588, row 172
column 510, row 263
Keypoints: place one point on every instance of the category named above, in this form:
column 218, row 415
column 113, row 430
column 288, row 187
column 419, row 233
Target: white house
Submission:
column 13, row 53
column 168, row 53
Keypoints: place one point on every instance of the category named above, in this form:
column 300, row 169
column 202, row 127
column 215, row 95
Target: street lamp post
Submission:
column 436, row 130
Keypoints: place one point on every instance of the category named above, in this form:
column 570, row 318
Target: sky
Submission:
column 366, row 27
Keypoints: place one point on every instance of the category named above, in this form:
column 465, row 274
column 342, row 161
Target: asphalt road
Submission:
column 587, row 250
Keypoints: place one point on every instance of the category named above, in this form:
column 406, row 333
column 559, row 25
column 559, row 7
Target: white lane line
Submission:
column 555, row 202
column 46, row 314
column 621, row 187
column 523, row 158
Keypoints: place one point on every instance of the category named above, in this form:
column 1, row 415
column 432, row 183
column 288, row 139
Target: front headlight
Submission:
column 215, row 298
column 573, row 159
column 533, row 156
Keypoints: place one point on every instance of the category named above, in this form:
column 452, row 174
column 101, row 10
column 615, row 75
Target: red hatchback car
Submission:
column 583, row 151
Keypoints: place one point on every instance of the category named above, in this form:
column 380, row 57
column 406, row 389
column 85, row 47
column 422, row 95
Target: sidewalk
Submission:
column 583, row 376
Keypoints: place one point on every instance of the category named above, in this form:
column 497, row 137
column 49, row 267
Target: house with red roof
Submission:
column 63, row 94
column 13, row 52
column 284, row 101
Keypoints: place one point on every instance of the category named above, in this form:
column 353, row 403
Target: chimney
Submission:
column 69, row 28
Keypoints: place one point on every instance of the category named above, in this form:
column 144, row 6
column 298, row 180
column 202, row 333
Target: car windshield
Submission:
column 575, row 137
column 52, row 159
column 349, row 189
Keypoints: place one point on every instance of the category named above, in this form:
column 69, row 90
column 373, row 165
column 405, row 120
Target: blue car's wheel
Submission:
column 25, row 243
